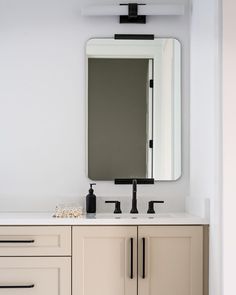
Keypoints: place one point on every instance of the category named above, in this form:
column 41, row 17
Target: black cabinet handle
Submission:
column 17, row 286
column 131, row 258
column 17, row 241
column 144, row 259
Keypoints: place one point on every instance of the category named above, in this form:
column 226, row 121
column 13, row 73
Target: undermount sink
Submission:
column 128, row 216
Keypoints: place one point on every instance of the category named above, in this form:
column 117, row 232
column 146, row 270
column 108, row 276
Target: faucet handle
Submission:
column 117, row 206
column 151, row 206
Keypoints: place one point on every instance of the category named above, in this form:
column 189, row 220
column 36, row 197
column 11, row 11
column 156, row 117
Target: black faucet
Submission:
column 134, row 182
column 134, row 198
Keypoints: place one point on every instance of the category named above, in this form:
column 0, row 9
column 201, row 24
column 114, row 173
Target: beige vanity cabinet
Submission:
column 169, row 260
column 104, row 260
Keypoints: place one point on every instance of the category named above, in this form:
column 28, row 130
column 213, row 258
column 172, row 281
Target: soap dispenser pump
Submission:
column 91, row 200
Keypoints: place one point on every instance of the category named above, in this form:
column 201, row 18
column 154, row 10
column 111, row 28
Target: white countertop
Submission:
column 16, row 218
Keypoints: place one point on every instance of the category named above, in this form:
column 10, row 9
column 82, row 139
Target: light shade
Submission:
column 148, row 9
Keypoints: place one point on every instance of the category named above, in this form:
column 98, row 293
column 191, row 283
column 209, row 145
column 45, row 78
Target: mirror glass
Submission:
column 133, row 109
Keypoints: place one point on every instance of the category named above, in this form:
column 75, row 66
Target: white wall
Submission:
column 42, row 102
column 202, row 105
column 205, row 128
column 229, row 147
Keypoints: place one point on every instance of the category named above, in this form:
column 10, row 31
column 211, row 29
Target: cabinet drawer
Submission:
column 35, row 241
column 35, row 275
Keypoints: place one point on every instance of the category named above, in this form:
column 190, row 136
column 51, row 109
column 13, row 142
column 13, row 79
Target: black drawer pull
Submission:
column 17, row 241
column 17, row 287
column 131, row 258
column 144, row 260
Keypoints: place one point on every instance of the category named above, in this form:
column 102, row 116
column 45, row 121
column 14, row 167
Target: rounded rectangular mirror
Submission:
column 133, row 109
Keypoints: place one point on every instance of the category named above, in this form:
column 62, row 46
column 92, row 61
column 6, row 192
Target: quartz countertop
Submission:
column 33, row 218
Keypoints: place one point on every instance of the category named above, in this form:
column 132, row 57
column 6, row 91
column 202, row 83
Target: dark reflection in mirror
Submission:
column 118, row 131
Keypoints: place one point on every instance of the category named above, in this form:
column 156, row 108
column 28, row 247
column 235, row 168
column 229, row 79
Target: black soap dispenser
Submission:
column 91, row 200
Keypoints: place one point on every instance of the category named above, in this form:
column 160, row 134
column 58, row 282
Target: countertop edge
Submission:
column 46, row 219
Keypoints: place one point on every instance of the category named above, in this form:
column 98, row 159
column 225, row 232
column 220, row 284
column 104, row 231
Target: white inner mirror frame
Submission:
column 164, row 162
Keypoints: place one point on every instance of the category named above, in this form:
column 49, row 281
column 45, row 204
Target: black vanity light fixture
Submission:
column 134, row 13
column 133, row 17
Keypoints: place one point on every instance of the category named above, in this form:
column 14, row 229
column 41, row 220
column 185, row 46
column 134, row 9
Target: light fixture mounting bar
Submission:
column 134, row 37
column 133, row 17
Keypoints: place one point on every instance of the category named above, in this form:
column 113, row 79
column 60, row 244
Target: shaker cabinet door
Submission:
column 104, row 260
column 170, row 260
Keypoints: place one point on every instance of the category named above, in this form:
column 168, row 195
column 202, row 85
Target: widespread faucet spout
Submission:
column 134, row 198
